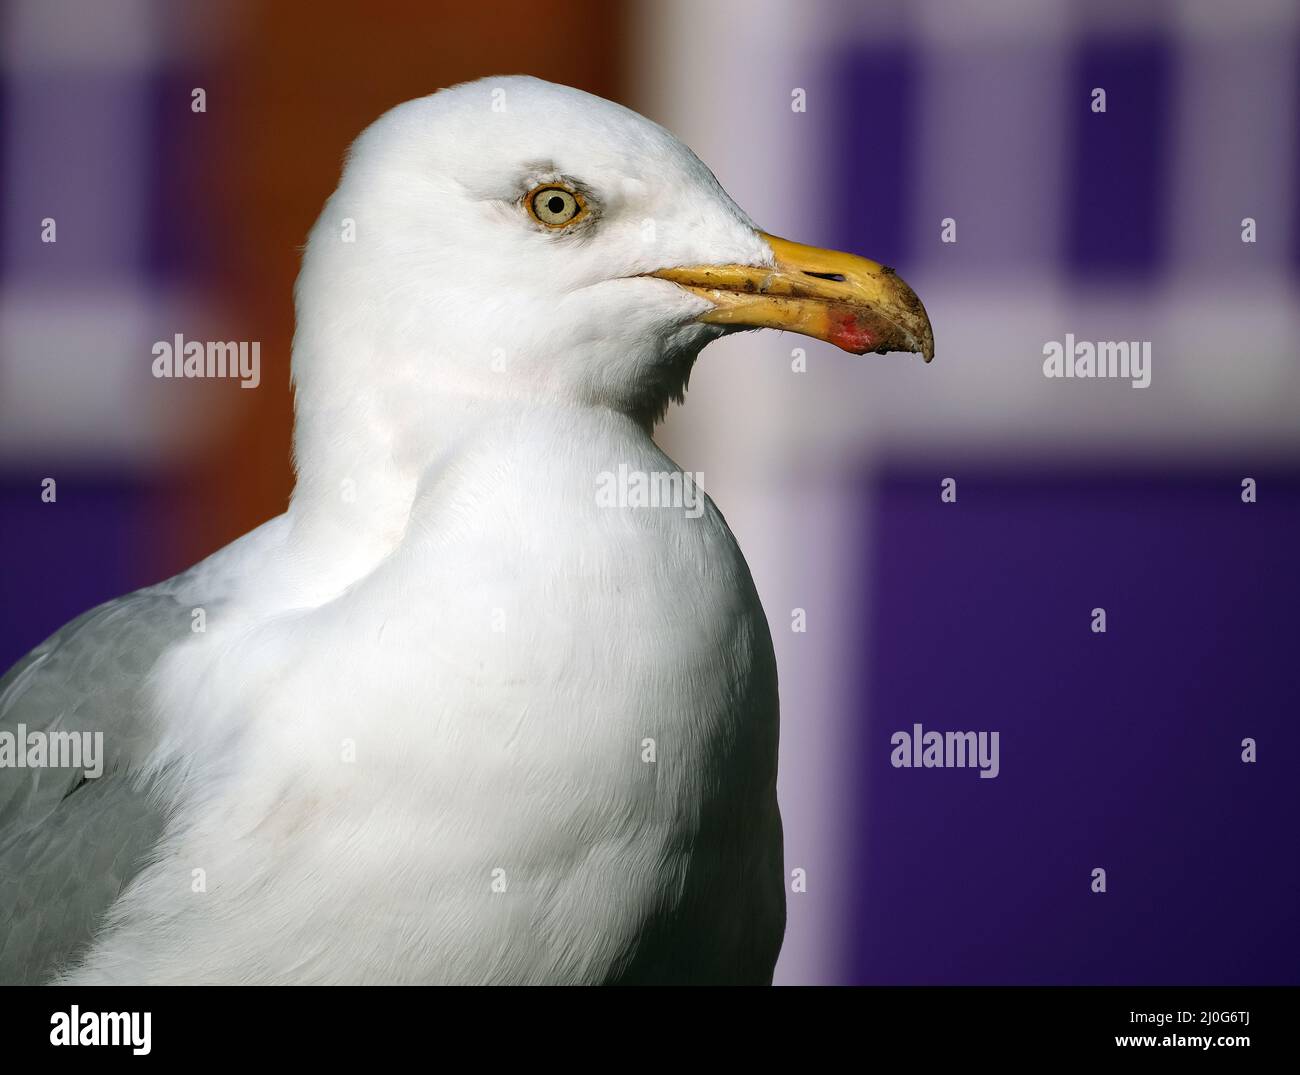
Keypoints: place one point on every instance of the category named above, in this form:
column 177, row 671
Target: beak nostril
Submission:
column 837, row 277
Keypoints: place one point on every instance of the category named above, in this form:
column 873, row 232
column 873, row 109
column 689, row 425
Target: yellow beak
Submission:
column 856, row 304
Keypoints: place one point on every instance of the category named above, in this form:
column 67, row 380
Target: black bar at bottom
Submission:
column 1227, row 1024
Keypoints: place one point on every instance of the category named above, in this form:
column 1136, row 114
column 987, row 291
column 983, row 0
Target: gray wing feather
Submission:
column 68, row 846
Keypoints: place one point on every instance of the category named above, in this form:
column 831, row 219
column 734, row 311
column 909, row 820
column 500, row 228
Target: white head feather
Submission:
column 450, row 290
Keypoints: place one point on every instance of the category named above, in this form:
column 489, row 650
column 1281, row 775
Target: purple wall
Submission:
column 1119, row 750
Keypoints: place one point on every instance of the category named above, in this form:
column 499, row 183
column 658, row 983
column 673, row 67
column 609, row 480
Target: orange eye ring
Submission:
column 555, row 206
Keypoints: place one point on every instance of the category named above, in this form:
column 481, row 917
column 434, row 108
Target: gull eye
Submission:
column 556, row 207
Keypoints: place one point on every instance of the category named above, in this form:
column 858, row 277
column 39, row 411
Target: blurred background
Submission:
column 1119, row 751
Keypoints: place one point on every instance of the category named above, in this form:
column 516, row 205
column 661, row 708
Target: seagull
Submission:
column 451, row 718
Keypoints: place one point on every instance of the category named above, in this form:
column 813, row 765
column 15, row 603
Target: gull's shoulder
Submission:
column 69, row 845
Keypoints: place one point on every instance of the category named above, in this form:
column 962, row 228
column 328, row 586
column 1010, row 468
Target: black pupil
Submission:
column 556, row 205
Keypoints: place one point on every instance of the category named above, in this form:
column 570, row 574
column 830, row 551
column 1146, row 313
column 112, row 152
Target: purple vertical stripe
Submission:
column 1295, row 166
column 871, row 141
column 6, row 125
column 78, row 163
column 1119, row 165
column 181, row 241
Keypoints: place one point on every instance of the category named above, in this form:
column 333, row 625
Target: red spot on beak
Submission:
column 849, row 333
